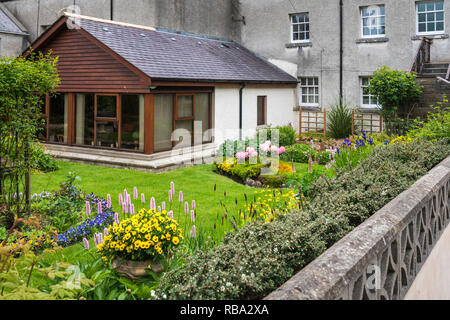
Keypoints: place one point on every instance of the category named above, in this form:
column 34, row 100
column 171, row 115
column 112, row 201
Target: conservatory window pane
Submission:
column 84, row 119
column 132, row 127
column 163, row 108
column 57, row 128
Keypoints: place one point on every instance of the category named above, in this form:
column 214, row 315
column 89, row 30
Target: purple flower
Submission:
column 186, row 207
column 88, row 208
column 192, row 215
column 152, row 203
column 159, row 209
column 193, row 233
column 86, row 243
column 135, row 193
column 99, row 207
column 120, row 199
column 180, row 196
column 170, row 214
column 170, row 195
column 193, row 204
column 142, row 198
column 172, row 187
column 116, row 217
column 163, row 205
column 132, row 208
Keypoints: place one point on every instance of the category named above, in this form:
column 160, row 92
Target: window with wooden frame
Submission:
column 261, row 110
column 430, row 17
column 300, row 27
column 107, row 120
column 309, row 91
column 373, row 21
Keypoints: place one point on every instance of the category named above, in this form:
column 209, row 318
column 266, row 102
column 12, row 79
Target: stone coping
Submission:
column 397, row 239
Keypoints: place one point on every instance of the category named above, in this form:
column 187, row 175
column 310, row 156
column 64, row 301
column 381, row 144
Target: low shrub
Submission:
column 300, row 153
column 40, row 160
column 257, row 259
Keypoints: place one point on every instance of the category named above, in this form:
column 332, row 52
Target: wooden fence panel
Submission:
column 313, row 122
column 369, row 122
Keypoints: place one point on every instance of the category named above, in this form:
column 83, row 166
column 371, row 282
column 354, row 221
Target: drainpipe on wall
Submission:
column 240, row 109
column 111, row 10
column 341, row 49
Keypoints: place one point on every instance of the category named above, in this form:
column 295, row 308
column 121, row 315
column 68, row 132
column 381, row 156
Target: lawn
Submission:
column 197, row 183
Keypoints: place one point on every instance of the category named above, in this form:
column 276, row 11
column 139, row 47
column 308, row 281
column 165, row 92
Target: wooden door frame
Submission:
column 116, row 120
column 175, row 114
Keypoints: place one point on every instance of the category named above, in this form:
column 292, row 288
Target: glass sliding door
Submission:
column 57, row 118
column 84, row 119
column 163, row 113
column 203, row 115
column 107, row 121
column 132, row 122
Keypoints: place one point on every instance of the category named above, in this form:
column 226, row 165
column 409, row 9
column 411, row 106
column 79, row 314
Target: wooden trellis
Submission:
column 313, row 122
column 369, row 122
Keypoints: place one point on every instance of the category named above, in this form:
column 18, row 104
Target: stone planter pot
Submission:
column 135, row 269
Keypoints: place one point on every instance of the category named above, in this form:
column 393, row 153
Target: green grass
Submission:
column 197, row 183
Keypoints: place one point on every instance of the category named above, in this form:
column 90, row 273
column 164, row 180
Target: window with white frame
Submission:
column 300, row 27
column 309, row 91
column 430, row 17
column 367, row 100
column 373, row 21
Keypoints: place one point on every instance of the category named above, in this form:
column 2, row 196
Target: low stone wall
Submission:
column 380, row 258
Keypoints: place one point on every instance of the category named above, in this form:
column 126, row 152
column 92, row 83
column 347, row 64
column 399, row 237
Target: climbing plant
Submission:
column 24, row 83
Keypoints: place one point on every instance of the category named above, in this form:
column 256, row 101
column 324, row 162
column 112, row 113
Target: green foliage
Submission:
column 437, row 125
column 257, row 259
column 40, row 160
column 300, row 153
column 273, row 181
column 287, row 135
column 339, row 120
column 396, row 91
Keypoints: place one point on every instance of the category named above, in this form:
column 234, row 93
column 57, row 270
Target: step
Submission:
column 435, row 70
column 436, row 65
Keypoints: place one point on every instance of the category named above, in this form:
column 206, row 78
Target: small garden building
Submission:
column 129, row 87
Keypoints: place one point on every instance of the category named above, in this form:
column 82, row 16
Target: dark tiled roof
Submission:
column 165, row 55
column 7, row 25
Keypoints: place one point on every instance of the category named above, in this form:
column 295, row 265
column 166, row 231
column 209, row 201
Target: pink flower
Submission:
column 108, row 201
column 159, row 209
column 120, row 199
column 172, row 187
column 152, row 203
column 99, row 207
column 170, row 195
column 274, row 149
column 142, row 198
column 124, row 208
column 132, row 208
column 116, row 218
column 193, row 231
column 88, row 208
column 170, row 214
column 180, row 196
column 241, row 155
column 186, row 207
column 86, row 243
column 135, row 193
column 163, row 205
column 193, row 204
column 281, row 150
column 105, row 231
column 192, row 215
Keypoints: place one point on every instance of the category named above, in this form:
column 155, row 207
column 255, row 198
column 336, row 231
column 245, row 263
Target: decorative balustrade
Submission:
column 380, row 258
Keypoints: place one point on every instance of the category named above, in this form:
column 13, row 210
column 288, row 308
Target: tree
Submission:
column 397, row 91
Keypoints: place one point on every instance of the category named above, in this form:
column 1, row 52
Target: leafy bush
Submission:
column 257, row 259
column 339, row 120
column 40, row 160
column 300, row 153
column 397, row 91
column 437, row 125
column 242, row 171
column 287, row 135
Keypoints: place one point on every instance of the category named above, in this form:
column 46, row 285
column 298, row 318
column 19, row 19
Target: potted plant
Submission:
column 140, row 243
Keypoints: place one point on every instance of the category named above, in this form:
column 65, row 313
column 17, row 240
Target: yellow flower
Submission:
column 175, row 240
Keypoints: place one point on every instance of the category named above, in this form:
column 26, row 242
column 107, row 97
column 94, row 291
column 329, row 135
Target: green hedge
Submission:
column 257, row 259
column 300, row 153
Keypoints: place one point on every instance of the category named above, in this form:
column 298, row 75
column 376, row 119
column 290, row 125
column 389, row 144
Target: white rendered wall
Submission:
column 280, row 106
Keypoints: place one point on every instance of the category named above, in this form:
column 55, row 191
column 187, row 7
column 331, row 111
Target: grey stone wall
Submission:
column 11, row 44
column 380, row 258
column 210, row 17
column 267, row 31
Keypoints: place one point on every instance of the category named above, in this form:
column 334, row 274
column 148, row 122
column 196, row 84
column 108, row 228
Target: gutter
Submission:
column 240, row 109
column 341, row 48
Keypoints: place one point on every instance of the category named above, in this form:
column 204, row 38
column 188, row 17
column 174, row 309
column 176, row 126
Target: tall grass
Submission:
column 340, row 120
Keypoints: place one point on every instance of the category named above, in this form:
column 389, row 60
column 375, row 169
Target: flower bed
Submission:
column 260, row 257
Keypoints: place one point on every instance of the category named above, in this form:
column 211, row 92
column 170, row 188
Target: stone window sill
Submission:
column 298, row 45
column 431, row 36
column 372, row 40
column 307, row 108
